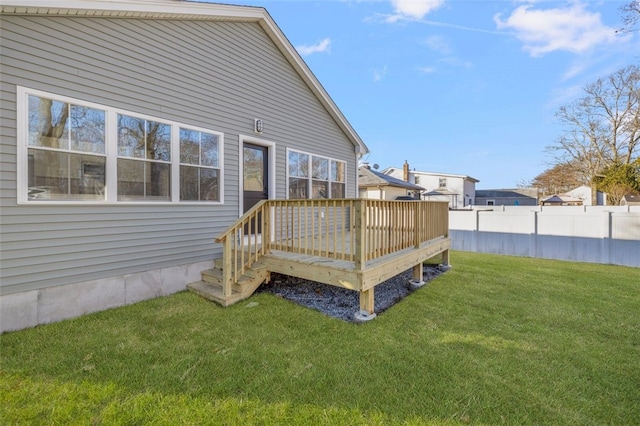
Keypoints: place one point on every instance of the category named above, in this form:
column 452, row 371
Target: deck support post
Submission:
column 227, row 274
column 266, row 230
column 417, row 280
column 445, row 265
column 367, row 311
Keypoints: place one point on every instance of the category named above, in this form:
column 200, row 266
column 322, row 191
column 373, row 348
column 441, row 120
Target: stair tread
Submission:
column 216, row 275
column 218, row 263
column 214, row 292
column 210, row 287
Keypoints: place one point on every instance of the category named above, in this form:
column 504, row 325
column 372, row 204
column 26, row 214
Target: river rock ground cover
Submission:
column 339, row 302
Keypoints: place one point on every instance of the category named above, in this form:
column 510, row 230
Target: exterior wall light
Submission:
column 258, row 125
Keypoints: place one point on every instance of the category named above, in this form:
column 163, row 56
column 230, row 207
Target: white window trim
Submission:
column 310, row 178
column 111, row 153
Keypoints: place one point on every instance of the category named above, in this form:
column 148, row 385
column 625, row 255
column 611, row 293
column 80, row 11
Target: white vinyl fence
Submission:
column 596, row 234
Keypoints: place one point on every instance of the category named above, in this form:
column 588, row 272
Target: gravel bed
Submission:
column 338, row 302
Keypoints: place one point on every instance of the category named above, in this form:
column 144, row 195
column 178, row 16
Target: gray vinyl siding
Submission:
column 214, row 75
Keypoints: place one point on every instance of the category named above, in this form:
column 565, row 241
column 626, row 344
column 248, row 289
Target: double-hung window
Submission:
column 70, row 150
column 199, row 166
column 66, row 151
column 338, row 189
column 144, row 159
column 314, row 176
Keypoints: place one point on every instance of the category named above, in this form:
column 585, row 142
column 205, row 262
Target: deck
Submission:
column 350, row 243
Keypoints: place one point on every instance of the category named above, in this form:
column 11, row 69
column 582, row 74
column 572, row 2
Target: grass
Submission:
column 496, row 340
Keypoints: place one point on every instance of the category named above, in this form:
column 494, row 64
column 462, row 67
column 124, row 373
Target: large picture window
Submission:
column 314, row 176
column 71, row 150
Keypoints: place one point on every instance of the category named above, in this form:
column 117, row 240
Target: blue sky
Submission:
column 457, row 86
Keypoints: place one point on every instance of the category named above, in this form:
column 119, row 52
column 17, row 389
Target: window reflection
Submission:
column 199, row 174
column 140, row 138
column 327, row 178
column 143, row 181
column 66, row 156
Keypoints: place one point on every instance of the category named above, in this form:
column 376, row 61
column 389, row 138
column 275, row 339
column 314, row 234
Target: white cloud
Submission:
column 322, row 46
column 427, row 70
column 563, row 96
column 444, row 64
column 574, row 71
column 412, row 9
column 456, row 62
column 438, row 44
column 378, row 74
column 571, row 28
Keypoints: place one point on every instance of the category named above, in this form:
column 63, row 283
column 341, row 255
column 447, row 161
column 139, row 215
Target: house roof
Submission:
column 391, row 169
column 507, row 193
column 632, row 198
column 368, row 178
column 441, row 191
column 561, row 199
column 189, row 10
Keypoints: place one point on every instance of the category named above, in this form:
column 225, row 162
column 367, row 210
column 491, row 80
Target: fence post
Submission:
column 476, row 232
column 607, row 235
column 533, row 237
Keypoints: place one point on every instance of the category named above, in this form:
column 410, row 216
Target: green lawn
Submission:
column 496, row 340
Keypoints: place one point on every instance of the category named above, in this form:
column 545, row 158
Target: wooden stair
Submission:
column 210, row 287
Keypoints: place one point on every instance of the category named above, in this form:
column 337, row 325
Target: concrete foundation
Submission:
column 363, row 316
column 414, row 285
column 47, row 305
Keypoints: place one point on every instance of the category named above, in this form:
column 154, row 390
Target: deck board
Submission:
column 343, row 273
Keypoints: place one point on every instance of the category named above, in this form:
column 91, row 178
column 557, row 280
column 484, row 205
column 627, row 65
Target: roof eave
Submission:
column 270, row 26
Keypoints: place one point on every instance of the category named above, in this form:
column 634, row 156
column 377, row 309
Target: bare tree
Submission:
column 603, row 127
column 559, row 179
column 50, row 123
column 630, row 16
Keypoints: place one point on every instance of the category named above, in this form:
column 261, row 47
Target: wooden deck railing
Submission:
column 356, row 230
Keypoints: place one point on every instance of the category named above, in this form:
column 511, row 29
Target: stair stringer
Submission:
column 210, row 287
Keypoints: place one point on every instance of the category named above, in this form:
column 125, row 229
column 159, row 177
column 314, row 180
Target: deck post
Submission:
column 266, row 228
column 367, row 311
column 417, row 280
column 227, row 274
column 445, row 265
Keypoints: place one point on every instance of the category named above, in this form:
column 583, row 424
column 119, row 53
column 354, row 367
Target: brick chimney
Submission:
column 405, row 171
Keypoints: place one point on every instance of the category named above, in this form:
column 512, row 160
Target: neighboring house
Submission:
column 588, row 195
column 561, row 200
column 583, row 193
column 377, row 185
column 507, row 197
column 630, row 200
column 134, row 133
column 458, row 190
